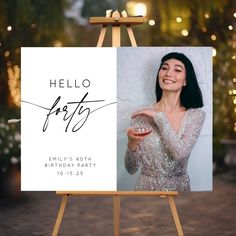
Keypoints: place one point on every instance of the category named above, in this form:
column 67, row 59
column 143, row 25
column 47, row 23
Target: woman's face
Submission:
column 172, row 75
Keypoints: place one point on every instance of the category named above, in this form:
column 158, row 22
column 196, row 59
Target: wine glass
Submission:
column 140, row 127
column 141, row 131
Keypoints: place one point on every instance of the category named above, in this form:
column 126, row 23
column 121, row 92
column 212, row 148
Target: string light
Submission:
column 178, row 19
column 7, row 54
column 234, row 80
column 14, row 83
column 17, row 50
column 214, row 52
column 151, row 22
column 206, row 15
column 57, row 43
column 230, row 27
column 140, row 9
column 213, row 37
column 234, row 92
column 204, row 29
column 234, row 101
column 233, row 57
column 9, row 28
column 230, row 92
column 136, row 8
column 235, row 14
column 184, row 32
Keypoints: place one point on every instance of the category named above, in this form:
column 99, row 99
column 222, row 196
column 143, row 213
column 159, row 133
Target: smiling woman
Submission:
column 172, row 75
column 175, row 121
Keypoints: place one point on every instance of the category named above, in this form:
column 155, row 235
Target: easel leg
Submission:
column 130, row 31
column 116, row 214
column 115, row 36
column 131, row 36
column 60, row 215
column 102, row 36
column 175, row 215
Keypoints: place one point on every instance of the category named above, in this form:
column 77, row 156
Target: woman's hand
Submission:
column 148, row 112
column 133, row 140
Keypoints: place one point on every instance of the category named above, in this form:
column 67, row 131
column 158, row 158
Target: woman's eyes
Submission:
column 166, row 68
column 178, row 70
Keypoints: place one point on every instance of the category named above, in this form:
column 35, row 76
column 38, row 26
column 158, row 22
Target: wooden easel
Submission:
column 116, row 20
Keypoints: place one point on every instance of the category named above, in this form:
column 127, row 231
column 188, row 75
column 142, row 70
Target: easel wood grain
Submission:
column 115, row 20
column 60, row 214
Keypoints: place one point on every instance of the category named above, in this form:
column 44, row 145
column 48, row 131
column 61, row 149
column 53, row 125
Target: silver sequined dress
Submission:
column 163, row 155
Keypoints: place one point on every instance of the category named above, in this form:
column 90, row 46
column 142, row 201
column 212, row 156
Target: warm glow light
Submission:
column 178, row 19
column 234, row 92
column 9, row 28
column 204, row 29
column 233, row 57
column 151, row 22
column 136, row 8
column 235, row 14
column 17, row 50
column 184, row 32
column 234, row 80
column 213, row 37
column 140, row 9
column 14, row 83
column 230, row 27
column 57, row 43
column 206, row 15
column 33, row 25
column 6, row 54
column 230, row 92
column 234, row 101
column 214, row 52
column 235, row 112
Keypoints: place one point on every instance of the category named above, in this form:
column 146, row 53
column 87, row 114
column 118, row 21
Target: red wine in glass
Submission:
column 141, row 131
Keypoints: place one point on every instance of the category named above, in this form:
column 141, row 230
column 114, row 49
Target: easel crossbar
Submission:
column 116, row 21
column 118, row 193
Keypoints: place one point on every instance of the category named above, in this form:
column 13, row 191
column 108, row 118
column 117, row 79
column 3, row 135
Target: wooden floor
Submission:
column 207, row 213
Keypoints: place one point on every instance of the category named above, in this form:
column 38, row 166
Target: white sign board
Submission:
column 68, row 115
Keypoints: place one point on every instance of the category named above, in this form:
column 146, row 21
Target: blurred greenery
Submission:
column 27, row 23
column 10, row 144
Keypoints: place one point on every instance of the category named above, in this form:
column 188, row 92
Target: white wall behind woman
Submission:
column 136, row 72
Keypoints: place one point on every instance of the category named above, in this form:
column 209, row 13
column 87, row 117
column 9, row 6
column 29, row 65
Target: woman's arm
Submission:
column 180, row 146
column 132, row 161
column 133, row 152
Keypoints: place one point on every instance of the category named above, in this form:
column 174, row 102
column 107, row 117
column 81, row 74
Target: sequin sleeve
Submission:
column 180, row 146
column 132, row 161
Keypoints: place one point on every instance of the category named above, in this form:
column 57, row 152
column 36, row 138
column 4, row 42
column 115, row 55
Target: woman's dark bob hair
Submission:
column 191, row 95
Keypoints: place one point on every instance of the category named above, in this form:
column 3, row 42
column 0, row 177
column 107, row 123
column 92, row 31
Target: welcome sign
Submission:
column 77, row 104
column 68, row 120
